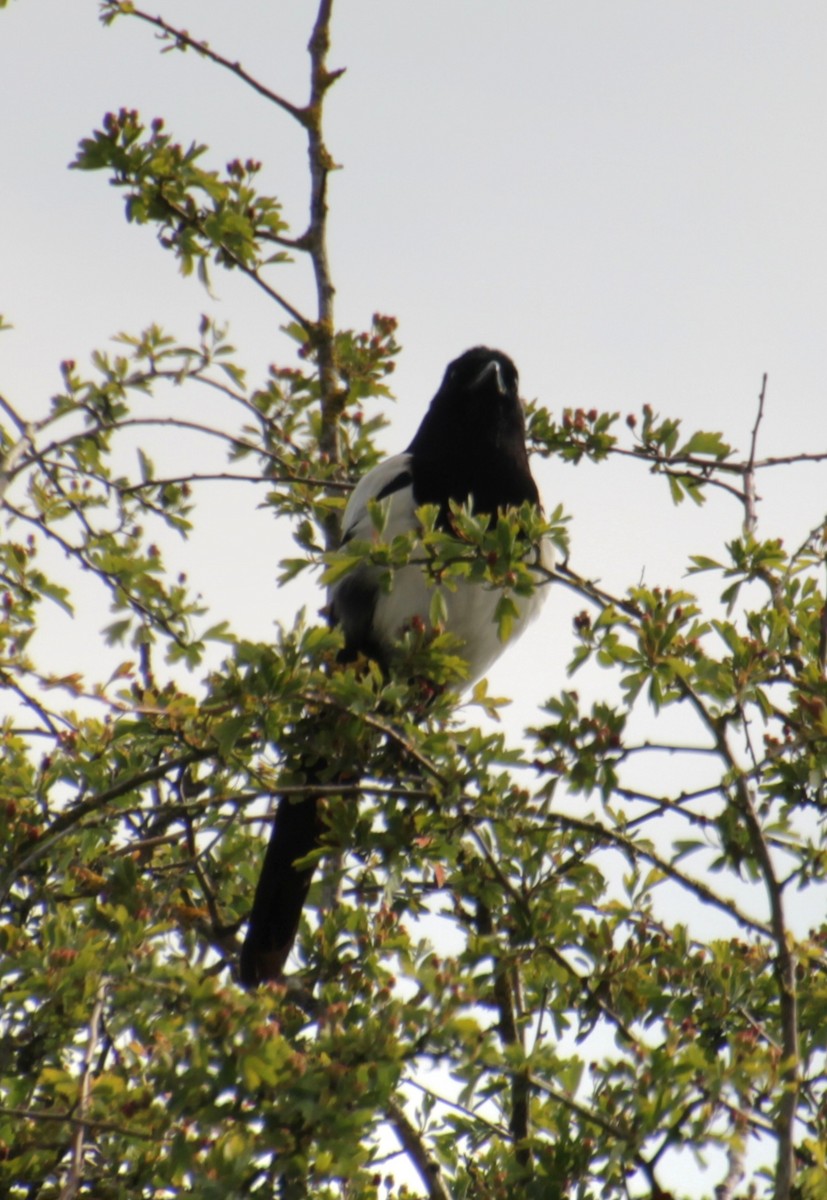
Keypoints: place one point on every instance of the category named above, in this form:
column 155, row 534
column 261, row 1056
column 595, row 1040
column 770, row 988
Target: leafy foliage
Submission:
column 502, row 973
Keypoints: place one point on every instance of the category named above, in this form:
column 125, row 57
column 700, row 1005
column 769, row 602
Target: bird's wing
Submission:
column 390, row 480
column 373, row 618
column 356, row 601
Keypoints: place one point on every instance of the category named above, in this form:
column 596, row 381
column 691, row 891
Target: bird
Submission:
column 470, row 449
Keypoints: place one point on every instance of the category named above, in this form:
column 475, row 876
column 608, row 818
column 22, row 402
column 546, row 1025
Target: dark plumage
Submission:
column 470, row 445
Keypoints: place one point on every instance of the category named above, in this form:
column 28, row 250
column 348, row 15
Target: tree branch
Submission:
column 226, row 476
column 64, row 1118
column 785, row 957
column 750, row 494
column 72, row 1185
column 9, row 464
column 182, row 38
column 412, row 1142
column 635, row 850
column 511, row 1038
column 69, row 818
column 321, row 163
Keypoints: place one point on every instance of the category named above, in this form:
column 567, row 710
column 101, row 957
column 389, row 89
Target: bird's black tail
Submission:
column 281, row 891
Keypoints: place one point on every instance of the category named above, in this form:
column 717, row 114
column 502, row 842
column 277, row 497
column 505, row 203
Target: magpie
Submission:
column 471, row 449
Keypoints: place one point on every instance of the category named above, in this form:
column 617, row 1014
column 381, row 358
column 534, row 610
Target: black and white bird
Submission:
column 470, row 448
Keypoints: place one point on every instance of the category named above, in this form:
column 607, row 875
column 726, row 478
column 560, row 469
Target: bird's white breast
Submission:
column 470, row 607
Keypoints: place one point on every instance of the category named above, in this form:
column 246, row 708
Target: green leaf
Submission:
column 676, row 489
column 438, row 614
column 228, row 733
column 708, row 444
column 146, row 466
column 55, row 592
column 505, row 614
column 702, row 563
column 339, row 565
column 117, row 631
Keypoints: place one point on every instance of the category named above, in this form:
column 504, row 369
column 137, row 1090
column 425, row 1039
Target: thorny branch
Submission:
column 321, row 164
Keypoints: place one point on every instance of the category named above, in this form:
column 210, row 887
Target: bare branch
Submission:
column 182, row 38
column 321, row 163
column 18, row 422
column 735, row 1171
column 64, row 1118
column 750, row 494
column 411, row 1141
column 226, row 476
column 72, row 1185
column 790, row 460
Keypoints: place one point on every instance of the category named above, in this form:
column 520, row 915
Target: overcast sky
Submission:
column 627, row 196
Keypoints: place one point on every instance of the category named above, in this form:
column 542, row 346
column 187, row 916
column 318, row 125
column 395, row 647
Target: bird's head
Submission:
column 478, row 403
column 479, row 377
column 472, row 439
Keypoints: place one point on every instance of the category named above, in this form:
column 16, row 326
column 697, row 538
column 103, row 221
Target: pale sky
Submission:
column 629, row 198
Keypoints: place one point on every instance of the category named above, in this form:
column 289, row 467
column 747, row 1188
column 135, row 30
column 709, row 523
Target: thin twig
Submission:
column 18, row 422
column 9, row 464
column 321, row 163
column 137, row 422
column 498, row 1130
column 68, row 819
column 562, row 573
column 183, row 38
column 268, row 480
column 75, row 1177
column 384, row 727
column 750, row 494
column 790, row 460
column 735, row 1170
column 65, row 1118
column 635, row 850
column 46, row 717
column 181, row 214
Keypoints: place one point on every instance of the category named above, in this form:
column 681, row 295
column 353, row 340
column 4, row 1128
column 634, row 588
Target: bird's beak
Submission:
column 491, row 368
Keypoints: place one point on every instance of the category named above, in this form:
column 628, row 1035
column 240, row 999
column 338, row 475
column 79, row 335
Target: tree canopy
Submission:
column 561, row 964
